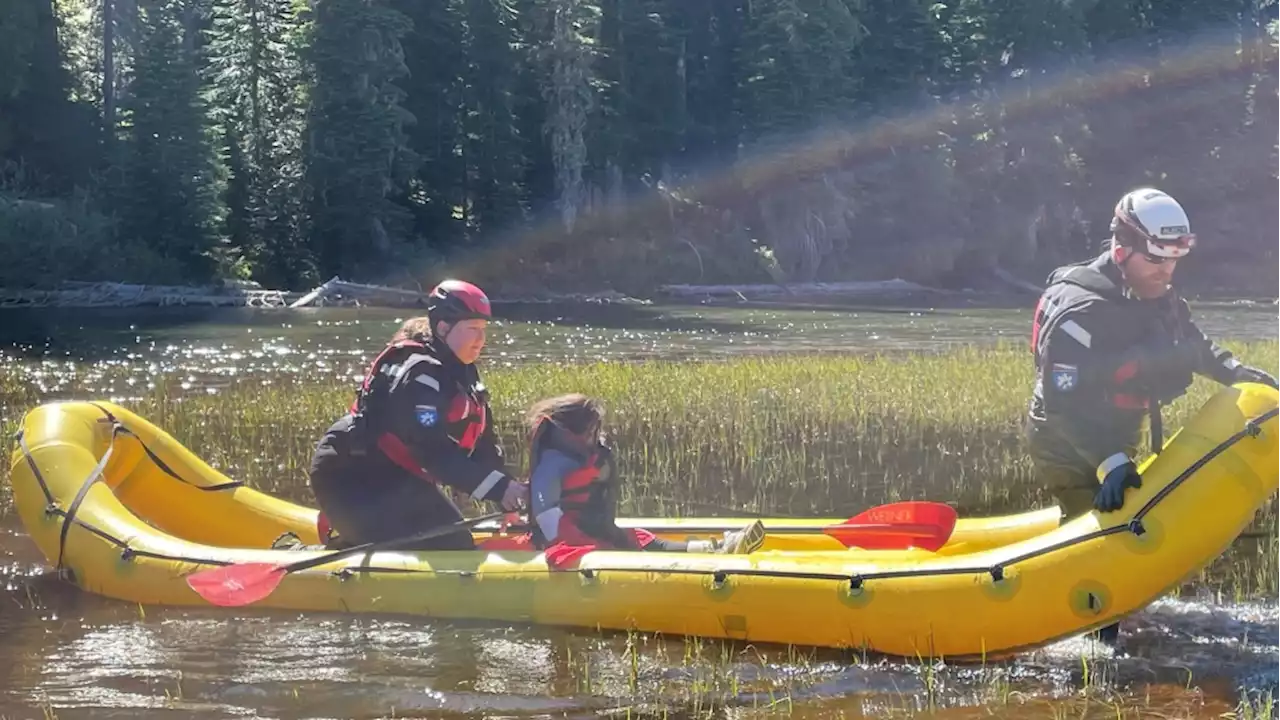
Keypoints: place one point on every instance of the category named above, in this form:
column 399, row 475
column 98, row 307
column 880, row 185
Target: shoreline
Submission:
column 338, row 293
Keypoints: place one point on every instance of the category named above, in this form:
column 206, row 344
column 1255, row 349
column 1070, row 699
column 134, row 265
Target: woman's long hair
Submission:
column 415, row 328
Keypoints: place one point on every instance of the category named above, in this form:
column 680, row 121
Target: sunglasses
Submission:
column 1163, row 251
column 1160, row 250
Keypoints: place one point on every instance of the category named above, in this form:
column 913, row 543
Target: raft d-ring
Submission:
column 855, row 583
column 127, row 553
column 997, row 572
column 343, row 574
column 588, row 573
column 51, row 509
column 1252, row 429
column 719, row 579
column 1136, row 527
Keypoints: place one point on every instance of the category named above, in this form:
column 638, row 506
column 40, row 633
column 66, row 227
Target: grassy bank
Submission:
column 796, row 435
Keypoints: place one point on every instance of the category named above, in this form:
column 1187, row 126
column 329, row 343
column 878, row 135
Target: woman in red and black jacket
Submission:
column 421, row 421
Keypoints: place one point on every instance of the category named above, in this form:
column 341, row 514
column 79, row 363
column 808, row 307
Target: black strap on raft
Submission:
column 164, row 467
column 69, row 515
column 96, row 474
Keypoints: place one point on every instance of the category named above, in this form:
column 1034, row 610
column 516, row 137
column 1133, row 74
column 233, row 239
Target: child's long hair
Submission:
column 574, row 412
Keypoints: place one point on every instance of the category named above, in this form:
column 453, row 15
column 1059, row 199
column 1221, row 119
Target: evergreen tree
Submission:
column 358, row 161
column 44, row 136
column 797, row 64
column 856, row 138
column 568, row 55
column 494, row 150
column 257, row 93
column 436, row 62
column 172, row 183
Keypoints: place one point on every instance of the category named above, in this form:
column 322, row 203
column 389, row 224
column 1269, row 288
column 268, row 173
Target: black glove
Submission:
column 1244, row 373
column 1117, row 473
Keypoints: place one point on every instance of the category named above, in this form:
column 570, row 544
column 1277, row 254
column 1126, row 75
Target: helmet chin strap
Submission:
column 1121, row 255
column 444, row 339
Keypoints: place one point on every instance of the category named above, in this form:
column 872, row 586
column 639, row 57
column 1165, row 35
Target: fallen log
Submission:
column 314, row 295
column 79, row 294
column 336, row 291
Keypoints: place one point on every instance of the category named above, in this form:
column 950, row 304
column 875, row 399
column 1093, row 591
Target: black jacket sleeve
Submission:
column 1212, row 360
column 419, row 402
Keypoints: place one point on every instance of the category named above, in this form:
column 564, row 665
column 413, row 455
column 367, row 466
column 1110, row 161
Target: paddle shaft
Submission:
column 904, row 529
column 388, row 544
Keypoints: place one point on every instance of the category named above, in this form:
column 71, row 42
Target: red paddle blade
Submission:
column 898, row 526
column 234, row 585
column 910, row 511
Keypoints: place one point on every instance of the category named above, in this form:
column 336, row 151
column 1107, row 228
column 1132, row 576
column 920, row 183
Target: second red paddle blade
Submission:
column 898, row 526
column 234, row 585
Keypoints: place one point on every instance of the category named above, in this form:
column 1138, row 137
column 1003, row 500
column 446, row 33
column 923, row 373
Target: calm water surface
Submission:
column 67, row 654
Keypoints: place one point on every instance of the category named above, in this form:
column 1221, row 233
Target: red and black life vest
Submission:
column 588, row 494
column 465, row 417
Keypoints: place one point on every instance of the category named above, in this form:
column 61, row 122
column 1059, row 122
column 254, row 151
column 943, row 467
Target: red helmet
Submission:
column 455, row 300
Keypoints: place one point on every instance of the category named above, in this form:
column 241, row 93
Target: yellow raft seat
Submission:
column 125, row 511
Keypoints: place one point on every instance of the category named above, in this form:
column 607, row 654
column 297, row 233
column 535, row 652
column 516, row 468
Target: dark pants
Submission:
column 1060, row 470
column 1072, row 486
column 369, row 499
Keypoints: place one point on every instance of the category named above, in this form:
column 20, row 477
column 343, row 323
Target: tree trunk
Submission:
column 108, row 72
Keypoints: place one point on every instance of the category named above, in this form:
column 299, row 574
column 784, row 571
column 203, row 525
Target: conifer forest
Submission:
column 626, row 144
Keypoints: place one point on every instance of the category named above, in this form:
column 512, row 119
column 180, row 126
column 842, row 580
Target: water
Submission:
column 72, row 655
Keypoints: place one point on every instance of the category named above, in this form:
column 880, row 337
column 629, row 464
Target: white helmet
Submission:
column 1151, row 222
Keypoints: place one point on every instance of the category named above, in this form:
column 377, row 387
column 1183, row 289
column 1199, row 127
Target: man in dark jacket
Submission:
column 1112, row 342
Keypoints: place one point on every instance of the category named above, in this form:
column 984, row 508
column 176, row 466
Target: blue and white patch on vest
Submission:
column 1065, row 377
column 427, row 415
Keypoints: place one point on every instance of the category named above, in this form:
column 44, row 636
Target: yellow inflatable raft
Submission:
column 127, row 512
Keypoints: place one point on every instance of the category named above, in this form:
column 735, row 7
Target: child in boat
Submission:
column 573, row 488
